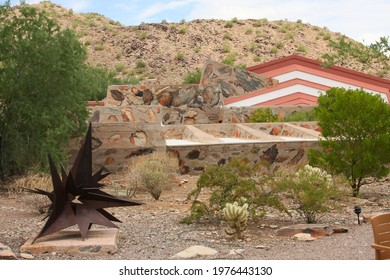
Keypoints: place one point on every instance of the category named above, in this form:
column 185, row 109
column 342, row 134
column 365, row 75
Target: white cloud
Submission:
column 78, row 5
column 158, row 8
column 359, row 19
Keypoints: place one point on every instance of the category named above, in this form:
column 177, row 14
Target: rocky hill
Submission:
column 168, row 51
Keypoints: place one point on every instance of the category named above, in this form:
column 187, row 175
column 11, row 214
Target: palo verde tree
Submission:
column 41, row 73
column 356, row 135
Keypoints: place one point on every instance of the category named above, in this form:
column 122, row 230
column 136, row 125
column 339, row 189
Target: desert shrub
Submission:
column 30, row 181
column 263, row 115
column 180, row 56
column 182, row 31
column 230, row 59
column 193, row 77
column 312, row 190
column 231, row 183
column 301, row 116
column 99, row 47
column 152, row 173
column 119, row 67
column 229, row 24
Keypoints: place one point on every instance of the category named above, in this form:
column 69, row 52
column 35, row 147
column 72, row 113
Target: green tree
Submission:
column 43, row 80
column 356, row 135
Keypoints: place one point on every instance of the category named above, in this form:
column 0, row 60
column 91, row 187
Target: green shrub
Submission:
column 279, row 44
column 227, row 36
column 119, row 67
column 230, row 59
column 248, row 31
column 180, row 56
column 99, row 47
column 143, row 35
column 229, row 24
column 226, row 48
column 182, row 31
column 312, row 190
column 302, row 49
column 140, row 64
column 231, row 183
column 301, row 116
column 193, row 77
column 263, row 115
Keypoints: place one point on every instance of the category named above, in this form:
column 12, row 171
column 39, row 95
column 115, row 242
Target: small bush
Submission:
column 257, row 59
column 119, row 67
column 230, row 59
column 152, row 172
column 227, row 36
column 143, row 35
column 263, row 115
column 312, row 190
column 301, row 116
column 279, row 44
column 248, row 31
column 229, row 24
column 180, row 56
column 233, row 182
column 182, row 31
column 226, row 48
column 140, row 64
column 302, row 49
column 99, row 47
column 193, row 77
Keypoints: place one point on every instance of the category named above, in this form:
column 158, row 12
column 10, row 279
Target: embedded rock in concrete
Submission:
column 195, row 251
column 315, row 230
column 270, row 154
column 147, row 97
column 6, row 253
column 165, row 98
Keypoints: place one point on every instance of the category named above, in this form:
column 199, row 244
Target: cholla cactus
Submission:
column 236, row 218
column 309, row 171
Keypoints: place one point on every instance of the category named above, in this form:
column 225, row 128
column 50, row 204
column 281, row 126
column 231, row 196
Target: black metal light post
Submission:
column 357, row 209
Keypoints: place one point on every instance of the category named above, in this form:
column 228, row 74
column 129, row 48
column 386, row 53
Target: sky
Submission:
column 362, row 20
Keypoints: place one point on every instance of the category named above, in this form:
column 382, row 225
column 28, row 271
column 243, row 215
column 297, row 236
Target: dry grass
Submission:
column 160, row 163
column 30, row 181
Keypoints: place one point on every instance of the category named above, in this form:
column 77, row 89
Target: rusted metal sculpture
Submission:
column 78, row 198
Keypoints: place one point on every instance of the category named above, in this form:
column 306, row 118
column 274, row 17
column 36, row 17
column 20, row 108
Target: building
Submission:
column 301, row 80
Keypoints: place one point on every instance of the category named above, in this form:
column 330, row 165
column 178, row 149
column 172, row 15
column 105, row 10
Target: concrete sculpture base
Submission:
column 97, row 242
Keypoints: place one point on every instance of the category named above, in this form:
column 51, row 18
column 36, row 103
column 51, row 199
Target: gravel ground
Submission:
column 154, row 231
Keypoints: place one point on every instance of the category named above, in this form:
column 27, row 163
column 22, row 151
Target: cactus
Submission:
column 236, row 218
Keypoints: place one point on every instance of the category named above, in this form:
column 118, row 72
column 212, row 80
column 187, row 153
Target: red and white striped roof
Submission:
column 302, row 80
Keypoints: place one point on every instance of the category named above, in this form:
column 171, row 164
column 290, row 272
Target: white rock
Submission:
column 236, row 251
column 303, row 237
column 195, row 251
column 26, row 256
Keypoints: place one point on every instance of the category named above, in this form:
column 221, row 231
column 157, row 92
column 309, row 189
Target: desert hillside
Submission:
column 168, row 51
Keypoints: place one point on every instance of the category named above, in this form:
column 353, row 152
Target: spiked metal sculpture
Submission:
column 78, row 198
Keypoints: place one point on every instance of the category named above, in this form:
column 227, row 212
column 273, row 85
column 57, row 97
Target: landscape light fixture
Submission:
column 357, row 209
